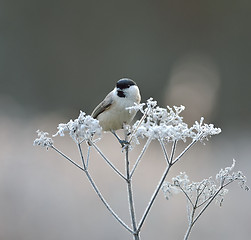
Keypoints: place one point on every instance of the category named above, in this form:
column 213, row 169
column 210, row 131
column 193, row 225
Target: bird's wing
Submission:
column 105, row 104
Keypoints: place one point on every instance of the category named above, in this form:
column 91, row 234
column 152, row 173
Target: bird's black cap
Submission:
column 125, row 83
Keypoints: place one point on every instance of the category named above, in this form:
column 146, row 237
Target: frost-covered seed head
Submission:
column 167, row 124
column 43, row 140
column 207, row 188
column 81, row 129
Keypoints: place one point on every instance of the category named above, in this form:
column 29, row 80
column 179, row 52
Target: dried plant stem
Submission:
column 140, row 156
column 171, row 162
column 184, row 151
column 107, row 161
column 173, row 151
column 192, row 219
column 82, row 156
column 164, row 150
column 135, row 231
column 88, row 156
column 106, row 204
column 210, row 201
column 153, row 198
column 157, row 188
column 66, row 157
column 130, row 195
column 140, row 122
column 95, row 188
column 188, row 198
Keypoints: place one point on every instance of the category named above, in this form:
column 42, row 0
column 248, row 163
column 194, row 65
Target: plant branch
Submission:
column 173, row 151
column 153, row 197
column 130, row 195
column 106, row 204
column 189, row 199
column 81, row 155
column 193, row 221
column 95, row 189
column 88, row 156
column 164, row 150
column 141, row 155
column 171, row 162
column 66, row 157
column 108, row 162
column 140, row 121
column 198, row 197
column 209, row 201
column 184, row 151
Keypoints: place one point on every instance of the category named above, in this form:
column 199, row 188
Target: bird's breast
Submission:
column 117, row 115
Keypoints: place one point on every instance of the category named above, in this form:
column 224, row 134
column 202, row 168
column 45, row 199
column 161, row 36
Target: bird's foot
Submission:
column 123, row 143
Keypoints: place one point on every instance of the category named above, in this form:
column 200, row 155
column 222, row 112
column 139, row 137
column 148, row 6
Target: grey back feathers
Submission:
column 104, row 105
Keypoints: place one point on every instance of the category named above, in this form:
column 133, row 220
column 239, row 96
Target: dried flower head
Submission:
column 168, row 125
column 199, row 193
column 43, row 140
column 226, row 176
column 81, row 129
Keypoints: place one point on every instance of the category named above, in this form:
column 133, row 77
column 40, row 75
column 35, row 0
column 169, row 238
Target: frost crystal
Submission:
column 81, row 129
column 43, row 140
column 168, row 125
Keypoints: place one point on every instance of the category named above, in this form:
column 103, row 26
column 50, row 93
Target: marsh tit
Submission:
column 112, row 112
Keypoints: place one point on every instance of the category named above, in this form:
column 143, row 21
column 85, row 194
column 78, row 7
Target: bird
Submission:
column 113, row 113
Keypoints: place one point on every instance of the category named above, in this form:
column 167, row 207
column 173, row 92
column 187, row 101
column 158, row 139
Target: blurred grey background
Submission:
column 59, row 57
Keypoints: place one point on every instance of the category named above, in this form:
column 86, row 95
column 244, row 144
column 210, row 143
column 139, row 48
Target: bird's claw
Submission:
column 123, row 143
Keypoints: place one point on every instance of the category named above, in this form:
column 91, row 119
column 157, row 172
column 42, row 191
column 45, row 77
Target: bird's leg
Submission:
column 122, row 142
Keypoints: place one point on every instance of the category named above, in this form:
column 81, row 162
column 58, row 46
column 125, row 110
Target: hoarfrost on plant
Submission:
column 167, row 124
column 200, row 192
column 43, row 140
column 81, row 129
